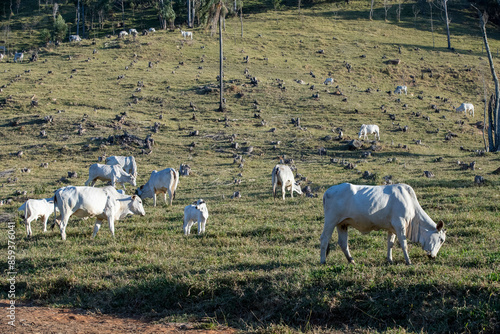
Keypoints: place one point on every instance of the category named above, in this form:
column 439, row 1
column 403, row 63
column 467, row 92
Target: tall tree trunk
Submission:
column 241, row 19
column 189, row 13
column 494, row 105
column 83, row 20
column 193, row 9
column 78, row 18
column 432, row 24
column 371, row 10
column 221, row 69
column 445, row 5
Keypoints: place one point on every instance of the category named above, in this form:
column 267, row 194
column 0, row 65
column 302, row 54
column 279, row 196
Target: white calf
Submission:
column 401, row 89
column 368, row 129
column 466, row 107
column 196, row 212
column 113, row 173
column 35, row 208
column 186, row 34
column 283, row 176
column 19, row 56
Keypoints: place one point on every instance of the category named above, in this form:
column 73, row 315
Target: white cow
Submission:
column 36, row 208
column 18, row 56
column 122, row 34
column 75, row 38
column 368, row 129
column 401, row 89
column 103, row 203
column 1, row 56
column 127, row 163
column 160, row 182
column 393, row 208
column 186, row 34
column 113, row 173
column 152, row 30
column 133, row 32
column 196, row 212
column 283, row 176
column 328, row 81
column 466, row 107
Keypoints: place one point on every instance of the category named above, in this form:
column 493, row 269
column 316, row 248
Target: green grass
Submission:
column 257, row 267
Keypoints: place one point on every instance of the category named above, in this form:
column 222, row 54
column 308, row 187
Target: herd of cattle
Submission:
column 393, row 208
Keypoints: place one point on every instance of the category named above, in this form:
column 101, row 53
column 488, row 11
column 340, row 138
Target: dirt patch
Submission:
column 39, row 319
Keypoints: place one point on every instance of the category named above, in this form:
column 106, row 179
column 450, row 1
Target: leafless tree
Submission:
column 494, row 103
column 371, row 9
column 416, row 11
column 386, row 8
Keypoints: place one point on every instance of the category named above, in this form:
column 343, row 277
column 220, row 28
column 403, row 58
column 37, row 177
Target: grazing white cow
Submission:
column 113, row 173
column 196, row 212
column 401, row 89
column 36, row 208
column 127, row 163
column 18, row 56
column 133, row 32
column 103, row 203
column 368, row 129
column 160, row 182
column 393, row 208
column 75, row 38
column 328, row 81
column 1, row 56
column 186, row 34
column 283, row 176
column 466, row 107
column 152, row 30
column 122, row 34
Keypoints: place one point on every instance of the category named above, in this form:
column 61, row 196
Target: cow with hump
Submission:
column 164, row 181
column 103, row 203
column 393, row 208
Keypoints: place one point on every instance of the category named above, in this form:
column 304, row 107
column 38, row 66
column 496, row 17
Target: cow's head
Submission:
column 436, row 240
column 136, row 206
column 144, row 191
column 133, row 180
column 296, row 188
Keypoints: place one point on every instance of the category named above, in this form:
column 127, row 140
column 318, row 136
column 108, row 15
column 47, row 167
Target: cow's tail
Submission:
column 275, row 180
column 174, row 176
column 56, row 195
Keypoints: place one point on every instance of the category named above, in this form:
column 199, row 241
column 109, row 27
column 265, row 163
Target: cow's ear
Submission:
column 440, row 225
column 134, row 197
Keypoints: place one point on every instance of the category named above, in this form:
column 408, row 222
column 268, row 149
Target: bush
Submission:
column 60, row 28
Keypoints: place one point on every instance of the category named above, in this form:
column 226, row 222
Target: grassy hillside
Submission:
column 257, row 267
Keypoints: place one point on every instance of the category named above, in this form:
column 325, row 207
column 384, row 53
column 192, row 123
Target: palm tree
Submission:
column 212, row 13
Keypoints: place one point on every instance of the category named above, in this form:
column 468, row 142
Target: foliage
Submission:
column 60, row 28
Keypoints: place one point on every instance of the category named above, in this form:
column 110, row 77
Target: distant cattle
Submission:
column 368, row 129
column 122, row 34
column 133, row 32
column 393, row 208
column 152, row 30
column 37, row 208
column 328, row 81
column 282, row 176
column 103, row 203
column 75, row 38
column 127, row 163
column 196, row 212
column 112, row 173
column 186, row 34
column 164, row 181
column 401, row 89
column 1, row 56
column 466, row 107
column 18, row 56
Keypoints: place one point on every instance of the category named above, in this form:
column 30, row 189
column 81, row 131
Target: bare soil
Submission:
column 41, row 319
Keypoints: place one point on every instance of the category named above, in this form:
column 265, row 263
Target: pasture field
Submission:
column 257, row 267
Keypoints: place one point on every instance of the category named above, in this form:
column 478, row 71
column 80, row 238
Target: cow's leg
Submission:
column 64, row 223
column 28, row 226
column 97, row 226
column 342, row 231
column 283, row 188
column 187, row 227
column 325, row 240
column 400, row 232
column 88, row 182
column 154, row 199
column 203, row 223
column 170, row 196
column 45, row 220
column 391, row 237
column 111, row 222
